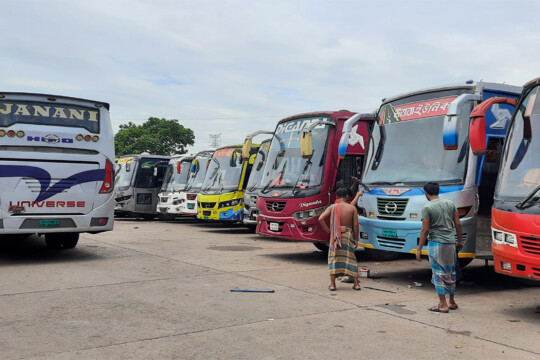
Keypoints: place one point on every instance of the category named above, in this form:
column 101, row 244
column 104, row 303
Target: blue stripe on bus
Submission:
column 417, row 191
column 44, row 178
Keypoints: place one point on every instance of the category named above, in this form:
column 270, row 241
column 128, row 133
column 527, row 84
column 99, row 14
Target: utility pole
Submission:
column 215, row 140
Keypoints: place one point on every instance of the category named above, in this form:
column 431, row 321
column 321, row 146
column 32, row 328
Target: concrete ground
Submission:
column 161, row 290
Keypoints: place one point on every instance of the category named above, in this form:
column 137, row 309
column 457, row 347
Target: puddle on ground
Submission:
column 234, row 248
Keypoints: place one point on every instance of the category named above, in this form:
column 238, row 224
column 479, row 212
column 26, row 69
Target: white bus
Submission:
column 56, row 167
column 175, row 181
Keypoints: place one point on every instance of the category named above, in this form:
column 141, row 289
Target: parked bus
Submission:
column 138, row 182
column 254, row 185
column 422, row 136
column 175, row 181
column 298, row 184
column 222, row 194
column 56, row 168
column 515, row 221
column 186, row 201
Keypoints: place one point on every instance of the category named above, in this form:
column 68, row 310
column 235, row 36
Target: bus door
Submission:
column 148, row 181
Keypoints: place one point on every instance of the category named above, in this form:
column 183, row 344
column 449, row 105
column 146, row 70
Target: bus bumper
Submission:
column 291, row 229
column 403, row 236
column 512, row 261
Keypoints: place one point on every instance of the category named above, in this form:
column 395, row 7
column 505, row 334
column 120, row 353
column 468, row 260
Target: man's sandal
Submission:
column 437, row 309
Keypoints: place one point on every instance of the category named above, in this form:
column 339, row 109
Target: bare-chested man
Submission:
column 343, row 239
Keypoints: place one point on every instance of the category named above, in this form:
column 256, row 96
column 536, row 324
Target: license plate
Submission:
column 274, row 226
column 190, row 206
column 49, row 223
column 390, row 233
column 206, row 217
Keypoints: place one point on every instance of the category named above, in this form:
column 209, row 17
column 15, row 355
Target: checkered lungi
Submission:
column 442, row 258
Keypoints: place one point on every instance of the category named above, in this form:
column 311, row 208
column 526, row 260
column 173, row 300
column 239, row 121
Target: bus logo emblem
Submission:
column 390, row 207
column 51, row 139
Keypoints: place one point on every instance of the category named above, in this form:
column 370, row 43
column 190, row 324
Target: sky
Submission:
column 233, row 67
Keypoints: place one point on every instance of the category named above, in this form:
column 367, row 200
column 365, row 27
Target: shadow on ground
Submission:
column 16, row 250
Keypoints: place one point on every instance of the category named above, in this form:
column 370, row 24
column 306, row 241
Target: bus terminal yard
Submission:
column 162, row 289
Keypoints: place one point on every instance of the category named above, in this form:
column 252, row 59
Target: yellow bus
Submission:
column 222, row 194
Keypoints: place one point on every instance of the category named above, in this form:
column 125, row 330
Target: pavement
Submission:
column 161, row 290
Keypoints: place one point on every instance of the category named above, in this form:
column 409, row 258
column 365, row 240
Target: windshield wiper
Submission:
column 280, row 177
column 307, row 164
column 521, row 205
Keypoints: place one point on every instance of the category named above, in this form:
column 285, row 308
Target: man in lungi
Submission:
column 344, row 232
column 439, row 218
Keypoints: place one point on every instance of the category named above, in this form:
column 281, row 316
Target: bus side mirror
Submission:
column 178, row 167
column 252, row 159
column 450, row 123
column 155, row 171
column 194, row 165
column 233, row 159
column 477, row 125
column 246, row 148
column 306, row 145
column 128, row 167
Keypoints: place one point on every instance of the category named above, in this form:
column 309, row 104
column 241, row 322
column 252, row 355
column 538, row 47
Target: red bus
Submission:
column 310, row 156
column 515, row 221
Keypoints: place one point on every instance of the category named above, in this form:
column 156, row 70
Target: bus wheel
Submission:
column 381, row 255
column 56, row 241
column 166, row 217
column 322, row 246
column 464, row 261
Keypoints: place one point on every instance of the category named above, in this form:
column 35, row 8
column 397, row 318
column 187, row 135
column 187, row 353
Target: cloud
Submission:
column 235, row 67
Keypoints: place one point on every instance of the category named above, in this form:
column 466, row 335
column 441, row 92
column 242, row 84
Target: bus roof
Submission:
column 48, row 96
column 138, row 156
column 317, row 113
column 476, row 86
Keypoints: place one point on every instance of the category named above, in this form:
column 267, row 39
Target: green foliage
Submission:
column 156, row 136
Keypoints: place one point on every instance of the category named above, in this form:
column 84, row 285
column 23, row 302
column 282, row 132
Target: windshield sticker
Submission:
column 125, row 160
column 298, row 125
column 414, row 111
column 223, row 153
column 29, row 112
column 148, row 165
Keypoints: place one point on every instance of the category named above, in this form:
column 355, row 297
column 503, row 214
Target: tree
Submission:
column 156, row 136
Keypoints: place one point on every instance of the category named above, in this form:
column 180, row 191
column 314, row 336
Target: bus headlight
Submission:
column 504, row 238
column 307, row 214
column 230, row 203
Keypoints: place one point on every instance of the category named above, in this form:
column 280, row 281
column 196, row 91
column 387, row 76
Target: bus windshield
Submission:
column 224, row 171
column 520, row 168
column 124, row 173
column 407, row 146
column 174, row 180
column 285, row 167
column 196, row 178
column 257, row 172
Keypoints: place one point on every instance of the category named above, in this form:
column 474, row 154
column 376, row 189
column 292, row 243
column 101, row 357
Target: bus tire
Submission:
column 381, row 255
column 166, row 217
column 322, row 246
column 56, row 241
column 464, row 261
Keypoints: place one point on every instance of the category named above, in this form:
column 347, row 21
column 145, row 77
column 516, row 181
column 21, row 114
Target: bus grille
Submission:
column 530, row 244
column 536, row 272
column 191, row 196
column 391, row 243
column 391, row 206
column 275, row 206
column 207, row 205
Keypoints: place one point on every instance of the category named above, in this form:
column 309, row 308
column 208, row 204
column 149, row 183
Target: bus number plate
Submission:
column 389, row 233
column 49, row 223
column 274, row 226
column 190, row 206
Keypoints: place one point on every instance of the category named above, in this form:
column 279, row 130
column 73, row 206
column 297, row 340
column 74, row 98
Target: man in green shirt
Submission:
column 439, row 218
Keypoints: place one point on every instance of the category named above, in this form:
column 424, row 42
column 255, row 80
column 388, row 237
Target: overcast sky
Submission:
column 233, row 67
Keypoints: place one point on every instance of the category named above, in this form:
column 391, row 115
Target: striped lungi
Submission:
column 342, row 261
column 442, row 258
